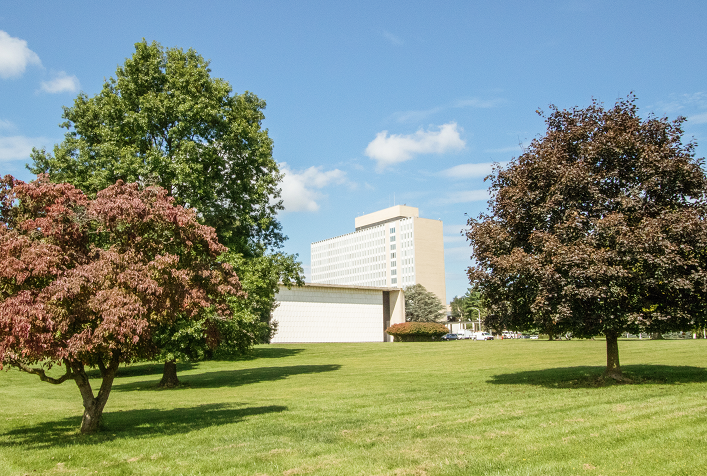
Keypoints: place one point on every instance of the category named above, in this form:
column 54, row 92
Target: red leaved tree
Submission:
column 599, row 227
column 86, row 282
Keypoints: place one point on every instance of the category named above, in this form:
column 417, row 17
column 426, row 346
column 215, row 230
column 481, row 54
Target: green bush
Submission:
column 417, row 331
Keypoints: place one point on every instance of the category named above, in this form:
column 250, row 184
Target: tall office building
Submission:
column 390, row 248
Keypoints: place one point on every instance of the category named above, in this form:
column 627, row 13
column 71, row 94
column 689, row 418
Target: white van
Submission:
column 482, row 336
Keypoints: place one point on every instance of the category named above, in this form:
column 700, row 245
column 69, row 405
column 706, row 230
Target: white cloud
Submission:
column 505, row 150
column 464, row 171
column 300, row 190
column 392, row 38
column 459, row 254
column 18, row 147
column 15, row 56
column 418, row 115
column 697, row 118
column 60, row 83
column 388, row 150
column 455, row 229
column 480, row 103
column 465, row 196
column 454, row 239
column 5, row 124
column 676, row 103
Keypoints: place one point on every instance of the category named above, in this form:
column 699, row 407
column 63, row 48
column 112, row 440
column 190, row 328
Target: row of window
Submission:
column 335, row 261
column 347, row 277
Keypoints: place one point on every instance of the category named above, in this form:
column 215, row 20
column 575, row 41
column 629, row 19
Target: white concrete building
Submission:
column 390, row 248
column 331, row 313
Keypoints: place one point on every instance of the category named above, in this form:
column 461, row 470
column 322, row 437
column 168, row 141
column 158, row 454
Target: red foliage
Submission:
column 88, row 280
column 417, row 331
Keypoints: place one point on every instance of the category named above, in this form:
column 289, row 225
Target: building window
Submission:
column 392, row 247
column 393, row 271
column 394, row 281
column 392, row 255
column 392, row 238
column 392, row 230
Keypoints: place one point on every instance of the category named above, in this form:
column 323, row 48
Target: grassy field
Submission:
column 447, row 408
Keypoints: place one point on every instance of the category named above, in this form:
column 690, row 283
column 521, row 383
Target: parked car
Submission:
column 450, row 337
column 534, row 337
column 524, row 336
column 482, row 336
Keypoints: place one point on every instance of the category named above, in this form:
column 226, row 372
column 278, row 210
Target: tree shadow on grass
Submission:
column 593, row 377
column 264, row 352
column 142, row 423
column 143, row 368
column 229, row 378
column 156, row 368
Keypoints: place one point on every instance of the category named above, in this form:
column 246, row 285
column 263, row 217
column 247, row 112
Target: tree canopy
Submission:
column 163, row 120
column 193, row 340
column 468, row 307
column 87, row 282
column 422, row 305
column 597, row 228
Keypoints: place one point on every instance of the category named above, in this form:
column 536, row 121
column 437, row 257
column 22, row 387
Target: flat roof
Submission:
column 345, row 286
column 385, row 215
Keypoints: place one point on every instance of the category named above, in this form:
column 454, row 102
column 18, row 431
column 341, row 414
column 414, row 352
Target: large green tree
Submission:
column 597, row 228
column 468, row 307
column 260, row 277
column 422, row 305
column 164, row 120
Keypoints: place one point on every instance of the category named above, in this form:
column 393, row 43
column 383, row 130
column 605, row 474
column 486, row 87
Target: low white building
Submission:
column 336, row 313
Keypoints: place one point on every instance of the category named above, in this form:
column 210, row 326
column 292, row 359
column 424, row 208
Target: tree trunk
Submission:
column 613, row 368
column 93, row 406
column 657, row 335
column 169, row 375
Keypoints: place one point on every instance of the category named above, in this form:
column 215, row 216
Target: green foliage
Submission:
column 597, row 228
column 215, row 337
column 417, row 331
column 422, row 305
column 259, row 277
column 164, row 120
column 468, row 307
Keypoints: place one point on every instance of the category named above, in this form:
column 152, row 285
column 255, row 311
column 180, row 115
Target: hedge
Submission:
column 417, row 331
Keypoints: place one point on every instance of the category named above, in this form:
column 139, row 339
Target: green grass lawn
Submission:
column 447, row 408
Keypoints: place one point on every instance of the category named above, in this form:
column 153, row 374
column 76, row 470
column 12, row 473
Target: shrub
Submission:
column 417, row 331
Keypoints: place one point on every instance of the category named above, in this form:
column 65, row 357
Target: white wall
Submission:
column 328, row 314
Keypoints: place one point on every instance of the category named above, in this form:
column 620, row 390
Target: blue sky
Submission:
column 371, row 103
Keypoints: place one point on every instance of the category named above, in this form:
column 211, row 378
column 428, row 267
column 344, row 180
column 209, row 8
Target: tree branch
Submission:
column 42, row 375
column 101, row 366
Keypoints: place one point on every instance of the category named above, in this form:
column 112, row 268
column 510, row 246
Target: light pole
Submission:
column 477, row 310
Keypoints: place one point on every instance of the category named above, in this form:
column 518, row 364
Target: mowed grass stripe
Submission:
column 498, row 407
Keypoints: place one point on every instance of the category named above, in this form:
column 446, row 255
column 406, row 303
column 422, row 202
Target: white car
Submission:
column 534, row 337
column 482, row 336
